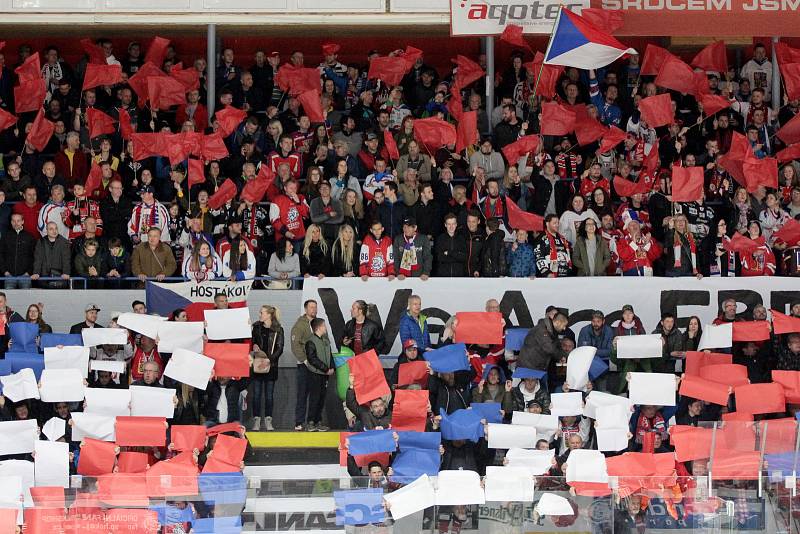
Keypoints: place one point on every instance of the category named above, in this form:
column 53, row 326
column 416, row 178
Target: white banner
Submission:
column 523, row 301
column 479, row 17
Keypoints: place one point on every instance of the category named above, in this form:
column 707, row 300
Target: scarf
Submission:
column 408, row 261
column 496, row 210
column 677, row 246
column 567, row 165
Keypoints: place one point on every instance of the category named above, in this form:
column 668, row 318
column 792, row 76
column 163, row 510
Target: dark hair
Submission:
column 316, row 323
column 582, row 228
column 114, row 242
column 549, row 217
column 136, row 303
column 362, row 305
column 280, row 249
column 667, row 315
column 374, row 464
column 391, row 185
column 309, row 301
column 493, row 224
column 175, row 313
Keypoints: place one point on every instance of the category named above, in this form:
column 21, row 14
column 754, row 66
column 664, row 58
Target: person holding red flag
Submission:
column 637, row 251
column 759, row 261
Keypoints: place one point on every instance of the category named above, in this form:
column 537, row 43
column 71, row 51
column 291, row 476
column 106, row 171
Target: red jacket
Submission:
column 200, row 117
column 588, row 187
column 760, row 262
column 376, row 258
column 30, row 216
column 633, row 255
column 294, row 161
column 287, row 215
column 77, row 172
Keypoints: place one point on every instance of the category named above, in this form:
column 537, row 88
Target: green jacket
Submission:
column 318, row 352
column 301, row 332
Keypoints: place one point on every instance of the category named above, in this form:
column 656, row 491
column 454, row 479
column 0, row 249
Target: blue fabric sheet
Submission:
column 371, row 442
column 448, row 359
column 488, row 410
column 23, row 336
column 21, row 360
column 54, row 340
column 359, row 507
column 515, row 338
column 461, row 424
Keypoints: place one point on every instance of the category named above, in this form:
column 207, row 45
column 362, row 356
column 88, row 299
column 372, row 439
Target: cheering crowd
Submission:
column 353, row 171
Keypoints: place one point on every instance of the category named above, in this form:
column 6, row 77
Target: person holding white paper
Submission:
column 145, row 352
column 673, row 343
column 629, row 325
column 572, row 426
column 231, row 323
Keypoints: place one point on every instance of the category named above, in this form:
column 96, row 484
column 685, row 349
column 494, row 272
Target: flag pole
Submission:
column 547, row 50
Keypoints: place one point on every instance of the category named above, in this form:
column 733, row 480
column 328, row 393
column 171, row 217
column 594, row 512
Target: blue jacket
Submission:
column 410, row 329
column 602, row 343
column 609, row 114
column 520, row 263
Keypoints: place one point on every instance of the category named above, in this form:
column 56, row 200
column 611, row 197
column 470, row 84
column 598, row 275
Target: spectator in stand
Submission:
column 284, row 264
column 414, row 325
column 90, row 264
column 550, row 193
column 287, row 213
column 225, row 400
column 320, row 366
column 342, row 181
column 637, row 251
column 552, row 251
column 54, row 211
column 412, row 252
column 203, row 264
column 77, row 210
column 520, row 257
column 451, row 250
column 15, row 182
column 315, row 257
column 89, row 321
column 51, row 258
column 608, row 111
column 414, row 159
column 29, row 208
column 391, row 211
column 9, row 316
column 488, row 159
column 239, row 262
column 345, row 253
column 362, row 334
column 284, row 153
column 761, row 260
column 680, row 249
column 116, row 261
column 149, row 214
column 376, row 259
column 268, row 344
column 327, row 212
column 153, row 258
column 597, row 334
column 591, row 255
column 302, row 333
column 541, row 346
column 17, row 254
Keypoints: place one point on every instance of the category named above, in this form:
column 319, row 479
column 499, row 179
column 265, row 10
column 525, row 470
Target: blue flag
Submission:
column 515, row 338
column 524, row 372
column 371, row 442
column 218, row 525
column 21, row 360
column 598, row 368
column 448, row 359
column 461, row 424
column 222, row 488
column 67, row 340
column 488, row 410
column 359, row 507
column 24, row 336
column 411, row 464
column 172, row 515
column 419, row 440
column 783, row 462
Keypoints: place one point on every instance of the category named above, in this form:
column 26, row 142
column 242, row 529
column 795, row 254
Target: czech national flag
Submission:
column 577, row 43
column 164, row 298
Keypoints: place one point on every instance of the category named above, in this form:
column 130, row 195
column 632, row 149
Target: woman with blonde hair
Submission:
column 344, row 253
column 203, row 264
column 315, row 258
column 680, row 249
column 268, row 340
column 353, row 211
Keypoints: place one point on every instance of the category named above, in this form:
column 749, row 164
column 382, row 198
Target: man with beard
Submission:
column 552, row 251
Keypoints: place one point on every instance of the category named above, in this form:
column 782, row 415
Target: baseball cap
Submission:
column 371, row 136
column 90, row 307
column 409, row 343
column 146, row 189
column 274, row 54
column 409, row 221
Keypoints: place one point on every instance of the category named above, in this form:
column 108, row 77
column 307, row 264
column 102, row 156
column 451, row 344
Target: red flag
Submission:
column 759, row 172
column 225, row 193
column 30, row 95
column 556, row 119
column 31, row 69
column 750, row 331
column 298, row 80
column 512, row 34
column 229, row 119
column 96, row 54
column 212, row 147
column 99, row 123
column 94, row 180
column 733, row 161
column 651, row 161
column 587, row 129
column 788, row 154
column 312, row 105
column 165, row 92
column 146, row 145
column 196, row 173
column 789, row 233
column 790, row 380
column 468, row 71
column 741, row 244
column 189, row 78
column 713, row 103
column 157, row 51
column 713, row 57
column 687, row 184
column 97, row 457
column 434, row 133
column 607, row 20
column 760, row 398
column 138, row 431
column 696, row 360
column 101, row 75
column 611, row 138
column 390, row 70
column 415, row 372
column 410, row 410
column 730, row 374
column 138, row 81
column 518, row 219
column 786, row 54
column 654, row 56
column 790, row 132
column 48, row 496
column 676, row 75
column 657, row 110
column 485, row 328
column 547, row 75
column 411, row 55
column 791, row 80
column 520, row 147
column 255, row 189
column 7, row 120
column 697, row 388
column 626, row 188
column 391, row 145
column 701, row 86
column 125, row 126
column 231, row 359
column 41, row 131
column 467, row 130
column 369, row 380
column 2, row 45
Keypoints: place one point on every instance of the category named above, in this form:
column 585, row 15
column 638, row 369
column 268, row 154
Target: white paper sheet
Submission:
column 147, row 325
column 652, row 388
column 551, row 504
column 545, row 425
column 534, row 461
column 18, row 437
column 644, row 346
column 92, row 337
column 504, row 484
column 509, row 436
column 25, row 471
column 411, row 498
column 11, row 492
column 613, row 416
column 20, row 386
column 585, row 465
column 233, row 323
column 54, row 428
column 105, row 401
column 93, row 425
column 716, row 337
column 173, row 335
column 459, row 487
column 68, row 358
column 578, row 363
column 562, row 404
column 600, row 398
column 112, row 366
column 612, row 439
column 51, row 463
column 152, row 402
column 61, row 385
column 190, row 368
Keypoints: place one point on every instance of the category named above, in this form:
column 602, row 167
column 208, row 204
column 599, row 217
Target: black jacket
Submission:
column 318, row 262
column 271, row 342
column 213, row 393
column 16, row 253
column 541, row 195
column 475, row 245
column 429, row 218
column 115, row 218
column 451, row 398
column 541, row 347
column 371, row 335
column 494, row 256
column 451, row 255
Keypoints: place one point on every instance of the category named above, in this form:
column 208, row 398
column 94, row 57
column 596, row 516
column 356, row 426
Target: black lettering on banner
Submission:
column 580, row 316
column 294, row 521
column 391, row 327
column 330, row 302
column 436, row 313
column 672, row 299
column 749, row 298
column 782, row 300
column 514, row 301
